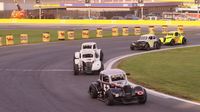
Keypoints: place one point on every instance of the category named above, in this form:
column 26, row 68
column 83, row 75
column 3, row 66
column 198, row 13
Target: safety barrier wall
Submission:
column 104, row 22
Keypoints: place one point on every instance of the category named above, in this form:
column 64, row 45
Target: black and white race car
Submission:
column 146, row 42
column 113, row 87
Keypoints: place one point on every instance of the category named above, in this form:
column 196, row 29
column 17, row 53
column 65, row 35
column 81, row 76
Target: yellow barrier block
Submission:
column 115, row 31
column 9, row 40
column 71, row 34
column 1, row 41
column 46, row 37
column 85, row 34
column 137, row 30
column 125, row 31
column 180, row 29
column 151, row 30
column 164, row 29
column 61, row 35
column 24, row 38
column 99, row 33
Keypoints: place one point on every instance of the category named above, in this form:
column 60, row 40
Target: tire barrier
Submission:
column 137, row 30
column 46, row 37
column 151, row 30
column 85, row 34
column 99, row 33
column 115, row 31
column 70, row 35
column 125, row 31
column 164, row 29
column 1, row 41
column 180, row 29
column 24, row 38
column 61, row 35
column 9, row 40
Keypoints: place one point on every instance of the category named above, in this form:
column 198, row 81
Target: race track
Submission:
column 39, row 78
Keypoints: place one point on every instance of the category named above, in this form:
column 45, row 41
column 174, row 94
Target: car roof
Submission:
column 89, row 43
column 148, row 35
column 110, row 72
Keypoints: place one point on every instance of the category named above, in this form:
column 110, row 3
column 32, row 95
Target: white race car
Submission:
column 88, row 60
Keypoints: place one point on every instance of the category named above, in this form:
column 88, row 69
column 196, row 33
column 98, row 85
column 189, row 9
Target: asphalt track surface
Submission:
column 39, row 78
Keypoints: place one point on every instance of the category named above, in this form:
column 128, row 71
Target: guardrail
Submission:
column 103, row 22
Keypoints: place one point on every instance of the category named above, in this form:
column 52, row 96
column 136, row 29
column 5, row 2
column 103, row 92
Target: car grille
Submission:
column 127, row 89
column 88, row 66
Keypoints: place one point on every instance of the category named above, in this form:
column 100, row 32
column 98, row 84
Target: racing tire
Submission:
column 109, row 99
column 76, row 70
column 132, row 47
column 172, row 43
column 143, row 100
column 147, row 47
column 157, row 45
column 93, row 92
column 184, row 41
column 101, row 55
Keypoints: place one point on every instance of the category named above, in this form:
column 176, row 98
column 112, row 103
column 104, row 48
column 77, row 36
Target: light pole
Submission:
column 141, row 5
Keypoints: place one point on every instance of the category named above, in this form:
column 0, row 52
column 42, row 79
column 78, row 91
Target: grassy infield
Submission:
column 176, row 72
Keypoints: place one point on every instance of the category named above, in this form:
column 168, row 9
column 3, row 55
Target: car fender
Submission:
column 161, row 40
column 77, row 61
column 77, row 55
column 96, row 66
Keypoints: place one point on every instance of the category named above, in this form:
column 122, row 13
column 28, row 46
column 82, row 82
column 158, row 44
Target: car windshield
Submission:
column 87, row 55
column 87, row 47
column 170, row 34
column 143, row 38
column 118, row 77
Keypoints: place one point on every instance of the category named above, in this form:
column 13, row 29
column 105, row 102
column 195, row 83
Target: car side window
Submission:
column 94, row 46
column 154, row 37
column 101, row 77
column 105, row 78
column 176, row 34
column 150, row 37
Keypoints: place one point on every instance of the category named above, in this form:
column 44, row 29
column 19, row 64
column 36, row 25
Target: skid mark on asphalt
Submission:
column 37, row 70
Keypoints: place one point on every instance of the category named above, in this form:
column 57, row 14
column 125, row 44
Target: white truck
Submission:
column 88, row 60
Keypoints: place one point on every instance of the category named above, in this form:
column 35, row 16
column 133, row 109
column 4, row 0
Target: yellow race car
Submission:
column 173, row 38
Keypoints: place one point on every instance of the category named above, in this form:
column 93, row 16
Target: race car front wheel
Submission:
column 76, row 70
column 109, row 100
column 172, row 43
column 93, row 93
column 132, row 47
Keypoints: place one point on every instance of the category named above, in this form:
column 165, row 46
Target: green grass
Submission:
column 175, row 72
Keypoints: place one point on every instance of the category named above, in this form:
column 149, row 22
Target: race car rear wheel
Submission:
column 172, row 43
column 143, row 99
column 157, row 45
column 184, row 41
column 109, row 100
